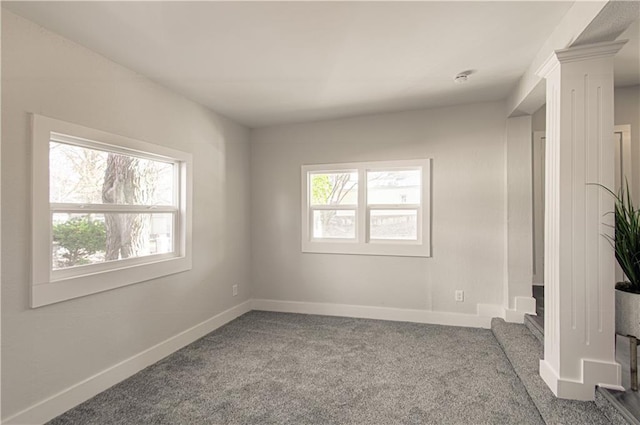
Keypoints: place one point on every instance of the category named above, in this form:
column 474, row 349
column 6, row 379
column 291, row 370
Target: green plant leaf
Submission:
column 626, row 239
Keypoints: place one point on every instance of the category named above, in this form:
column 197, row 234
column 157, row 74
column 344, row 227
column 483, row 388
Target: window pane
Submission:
column 394, row 187
column 338, row 224
column 90, row 176
column 334, row 188
column 80, row 239
column 393, row 224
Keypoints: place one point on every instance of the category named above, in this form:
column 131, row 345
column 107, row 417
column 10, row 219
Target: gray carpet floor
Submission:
column 524, row 351
column 276, row 368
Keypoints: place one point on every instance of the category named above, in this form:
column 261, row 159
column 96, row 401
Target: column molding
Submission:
column 579, row 344
column 578, row 53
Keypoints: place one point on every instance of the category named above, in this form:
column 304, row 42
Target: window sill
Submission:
column 395, row 248
column 45, row 293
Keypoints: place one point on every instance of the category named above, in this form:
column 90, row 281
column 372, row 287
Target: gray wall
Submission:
column 519, row 209
column 48, row 349
column 467, row 145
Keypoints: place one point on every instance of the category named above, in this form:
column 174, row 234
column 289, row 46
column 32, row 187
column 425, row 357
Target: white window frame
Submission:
column 51, row 286
column 362, row 244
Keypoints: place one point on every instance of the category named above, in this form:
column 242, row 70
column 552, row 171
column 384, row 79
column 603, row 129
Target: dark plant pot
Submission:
column 627, row 313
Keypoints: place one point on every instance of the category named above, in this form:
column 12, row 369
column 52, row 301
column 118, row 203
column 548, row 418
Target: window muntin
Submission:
column 108, row 211
column 384, row 210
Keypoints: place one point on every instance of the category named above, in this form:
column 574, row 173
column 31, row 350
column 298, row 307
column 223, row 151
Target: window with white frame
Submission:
column 370, row 208
column 108, row 211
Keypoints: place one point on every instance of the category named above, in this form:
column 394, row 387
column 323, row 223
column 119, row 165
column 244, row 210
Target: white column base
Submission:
column 594, row 373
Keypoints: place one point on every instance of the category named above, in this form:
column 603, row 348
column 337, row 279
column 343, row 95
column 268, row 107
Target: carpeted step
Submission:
column 614, row 404
column 524, row 352
column 535, row 324
column 607, row 401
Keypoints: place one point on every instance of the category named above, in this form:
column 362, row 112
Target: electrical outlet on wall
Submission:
column 459, row 296
column 235, row 290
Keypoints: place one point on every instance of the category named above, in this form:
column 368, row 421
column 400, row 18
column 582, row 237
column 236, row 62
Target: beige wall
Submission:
column 467, row 145
column 539, row 119
column 48, row 349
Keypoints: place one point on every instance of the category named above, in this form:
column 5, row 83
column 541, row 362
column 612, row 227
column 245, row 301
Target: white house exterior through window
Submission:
column 374, row 208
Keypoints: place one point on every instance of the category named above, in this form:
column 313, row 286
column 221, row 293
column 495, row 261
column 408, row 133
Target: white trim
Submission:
column 49, row 286
column 83, row 285
column 594, row 373
column 589, row 51
column 523, row 305
column 361, row 243
column 378, row 313
column 107, row 208
column 135, row 149
column 578, row 53
column 59, row 403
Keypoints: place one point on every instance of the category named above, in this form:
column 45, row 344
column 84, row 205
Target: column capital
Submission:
column 579, row 53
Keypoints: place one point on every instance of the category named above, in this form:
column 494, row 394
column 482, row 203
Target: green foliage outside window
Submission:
column 321, row 189
column 81, row 237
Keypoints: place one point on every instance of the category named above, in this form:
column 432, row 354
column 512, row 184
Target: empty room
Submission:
column 320, row 212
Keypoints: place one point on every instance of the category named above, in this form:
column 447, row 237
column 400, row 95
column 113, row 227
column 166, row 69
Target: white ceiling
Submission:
column 263, row 63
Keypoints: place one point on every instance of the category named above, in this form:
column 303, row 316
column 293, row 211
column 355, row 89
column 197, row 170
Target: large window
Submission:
column 108, row 211
column 376, row 208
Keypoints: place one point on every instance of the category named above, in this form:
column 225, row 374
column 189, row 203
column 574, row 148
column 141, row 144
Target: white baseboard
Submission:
column 59, row 403
column 524, row 305
column 594, row 373
column 380, row 313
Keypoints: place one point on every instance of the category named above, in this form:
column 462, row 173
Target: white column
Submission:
column 579, row 341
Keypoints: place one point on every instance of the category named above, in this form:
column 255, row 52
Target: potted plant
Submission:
column 626, row 243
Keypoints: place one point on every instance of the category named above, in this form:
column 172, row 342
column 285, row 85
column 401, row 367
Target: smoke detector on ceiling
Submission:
column 462, row 77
